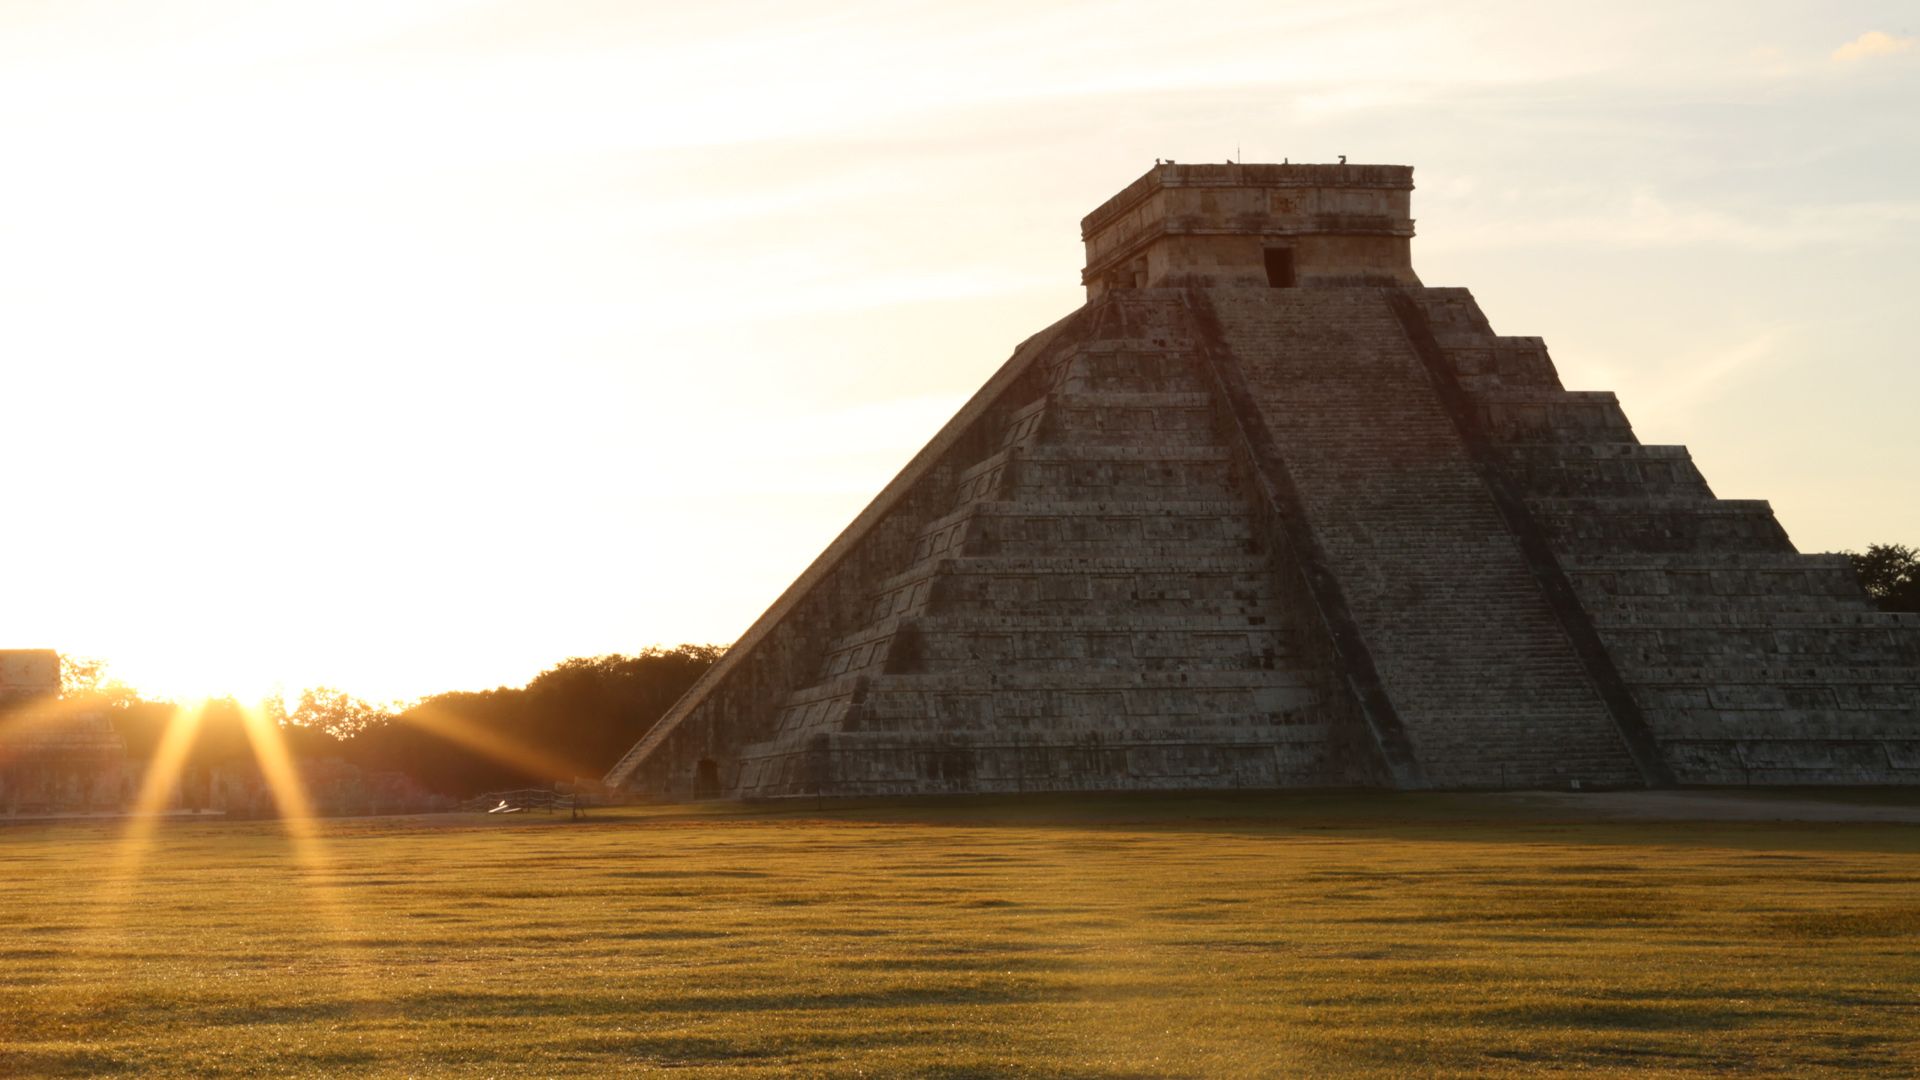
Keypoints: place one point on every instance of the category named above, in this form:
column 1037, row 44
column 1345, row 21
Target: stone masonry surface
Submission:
column 1751, row 663
column 1475, row 662
column 1220, row 535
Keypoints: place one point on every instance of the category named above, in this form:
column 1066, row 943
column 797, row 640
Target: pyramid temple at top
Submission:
column 1267, row 512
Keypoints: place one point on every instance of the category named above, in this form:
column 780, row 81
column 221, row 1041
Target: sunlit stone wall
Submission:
column 1214, row 225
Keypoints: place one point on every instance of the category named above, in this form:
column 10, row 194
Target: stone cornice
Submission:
column 1385, row 177
column 1317, row 225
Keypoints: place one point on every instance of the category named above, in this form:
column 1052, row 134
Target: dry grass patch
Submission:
column 1098, row 938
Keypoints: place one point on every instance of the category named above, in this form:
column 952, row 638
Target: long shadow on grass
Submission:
column 64, row 1063
column 1619, row 1016
column 470, row 1005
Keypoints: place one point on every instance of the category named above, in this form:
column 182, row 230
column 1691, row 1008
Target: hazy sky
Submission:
column 419, row 344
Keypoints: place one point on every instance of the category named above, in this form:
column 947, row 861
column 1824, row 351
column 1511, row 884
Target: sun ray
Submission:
column 283, row 778
column 115, row 891
column 118, row 899
column 320, row 873
column 156, row 791
column 295, row 807
column 164, row 768
column 504, row 749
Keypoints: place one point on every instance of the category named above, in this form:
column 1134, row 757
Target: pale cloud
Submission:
column 1872, row 43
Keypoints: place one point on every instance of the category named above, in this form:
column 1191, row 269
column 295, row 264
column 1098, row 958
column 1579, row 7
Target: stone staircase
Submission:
column 1095, row 611
column 1750, row 663
column 1474, row 661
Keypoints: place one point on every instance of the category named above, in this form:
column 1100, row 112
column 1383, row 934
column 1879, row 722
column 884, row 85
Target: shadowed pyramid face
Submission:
column 1268, row 512
column 1253, row 225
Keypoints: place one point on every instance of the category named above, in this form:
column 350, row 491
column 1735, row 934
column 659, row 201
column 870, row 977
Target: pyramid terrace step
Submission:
column 1617, row 504
column 1105, row 508
column 1116, row 727
column 1097, row 453
column 968, row 762
column 1184, row 642
column 1791, row 761
column 831, row 689
column 1869, row 619
column 1125, row 563
column 986, row 480
column 1093, row 452
column 1091, row 472
column 1125, row 622
column 1769, row 580
column 1695, row 701
column 1185, row 595
column 1080, row 594
column 1210, row 527
column 1614, row 469
column 864, row 656
column 1157, row 372
column 1655, row 605
column 1654, row 675
column 1177, row 418
column 1089, row 508
column 1121, row 621
column 1481, row 362
column 1024, row 423
column 1765, row 723
column 1111, row 731
column 983, row 681
column 1174, row 338
column 1106, row 652
column 1655, row 524
column 1811, row 646
column 1114, row 398
column 1596, row 451
column 1108, row 363
column 1707, row 562
column 802, row 718
column 1542, row 415
column 1134, row 578
column 1029, row 698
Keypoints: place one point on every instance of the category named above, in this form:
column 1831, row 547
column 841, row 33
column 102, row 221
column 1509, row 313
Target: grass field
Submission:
column 1112, row 938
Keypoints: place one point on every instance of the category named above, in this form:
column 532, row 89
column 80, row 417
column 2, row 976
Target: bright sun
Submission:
column 190, row 680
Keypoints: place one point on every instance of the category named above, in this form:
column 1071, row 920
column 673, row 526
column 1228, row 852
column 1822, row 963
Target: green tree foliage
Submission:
column 1891, row 575
column 573, row 720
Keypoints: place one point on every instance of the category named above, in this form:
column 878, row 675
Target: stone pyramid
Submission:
column 1266, row 512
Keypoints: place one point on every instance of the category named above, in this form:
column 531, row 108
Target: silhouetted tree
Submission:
column 83, row 677
column 1891, row 575
column 339, row 714
column 574, row 719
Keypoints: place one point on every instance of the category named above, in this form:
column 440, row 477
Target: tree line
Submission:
column 1891, row 575
column 572, row 721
